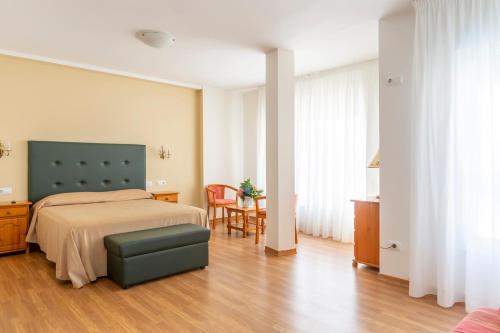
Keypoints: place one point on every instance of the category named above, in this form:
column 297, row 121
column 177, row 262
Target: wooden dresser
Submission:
column 166, row 196
column 366, row 232
column 14, row 221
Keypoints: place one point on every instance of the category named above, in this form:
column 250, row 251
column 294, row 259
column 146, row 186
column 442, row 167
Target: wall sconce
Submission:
column 5, row 149
column 164, row 154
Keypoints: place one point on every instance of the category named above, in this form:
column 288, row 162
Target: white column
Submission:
column 280, row 148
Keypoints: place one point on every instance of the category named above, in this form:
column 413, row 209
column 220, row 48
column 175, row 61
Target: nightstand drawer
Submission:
column 168, row 198
column 13, row 211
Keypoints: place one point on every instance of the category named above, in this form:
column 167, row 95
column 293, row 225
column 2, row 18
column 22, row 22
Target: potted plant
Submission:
column 248, row 192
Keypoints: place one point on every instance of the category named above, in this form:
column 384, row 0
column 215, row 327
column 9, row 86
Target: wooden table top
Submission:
column 366, row 199
column 240, row 208
column 17, row 203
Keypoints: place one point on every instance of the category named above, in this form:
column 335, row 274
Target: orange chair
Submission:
column 216, row 199
column 261, row 215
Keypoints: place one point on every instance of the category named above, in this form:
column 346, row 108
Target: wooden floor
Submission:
column 242, row 290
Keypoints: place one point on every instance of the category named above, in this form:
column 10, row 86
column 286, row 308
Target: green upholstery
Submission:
column 140, row 256
column 133, row 270
column 61, row 167
column 135, row 243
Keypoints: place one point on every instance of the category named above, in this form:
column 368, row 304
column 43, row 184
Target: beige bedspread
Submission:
column 70, row 227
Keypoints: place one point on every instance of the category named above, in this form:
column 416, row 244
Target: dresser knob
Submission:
column 8, row 212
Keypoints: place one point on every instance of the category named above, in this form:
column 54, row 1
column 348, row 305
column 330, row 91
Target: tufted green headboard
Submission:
column 57, row 167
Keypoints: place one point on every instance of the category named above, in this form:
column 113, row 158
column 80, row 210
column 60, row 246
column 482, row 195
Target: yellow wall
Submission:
column 42, row 101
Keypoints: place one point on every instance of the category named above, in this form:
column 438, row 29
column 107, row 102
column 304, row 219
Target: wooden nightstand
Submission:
column 14, row 221
column 166, row 196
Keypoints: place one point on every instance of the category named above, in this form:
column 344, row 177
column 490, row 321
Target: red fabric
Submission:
column 480, row 321
column 224, row 201
column 219, row 192
column 219, row 196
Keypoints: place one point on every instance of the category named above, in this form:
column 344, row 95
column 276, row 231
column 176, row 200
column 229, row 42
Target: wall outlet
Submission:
column 5, row 190
column 394, row 81
column 162, row 182
column 396, row 243
column 149, row 183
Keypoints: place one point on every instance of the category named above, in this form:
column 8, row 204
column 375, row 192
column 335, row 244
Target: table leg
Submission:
column 237, row 221
column 229, row 222
column 245, row 224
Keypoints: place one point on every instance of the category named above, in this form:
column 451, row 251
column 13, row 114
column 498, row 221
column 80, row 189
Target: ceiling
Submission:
column 220, row 43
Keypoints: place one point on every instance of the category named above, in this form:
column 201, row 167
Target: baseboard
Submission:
column 280, row 253
column 395, row 279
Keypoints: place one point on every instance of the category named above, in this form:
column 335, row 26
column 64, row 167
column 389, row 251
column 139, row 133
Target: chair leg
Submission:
column 237, row 219
column 215, row 217
column 223, row 220
column 257, row 231
column 263, row 225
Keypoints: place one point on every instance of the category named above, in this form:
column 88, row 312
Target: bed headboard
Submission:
column 57, row 167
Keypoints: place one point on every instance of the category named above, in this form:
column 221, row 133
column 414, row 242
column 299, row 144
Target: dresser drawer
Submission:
column 168, row 198
column 13, row 211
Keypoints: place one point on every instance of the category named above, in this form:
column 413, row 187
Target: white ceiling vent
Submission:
column 155, row 38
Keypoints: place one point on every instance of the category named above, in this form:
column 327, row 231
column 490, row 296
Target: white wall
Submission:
column 395, row 58
column 372, row 135
column 222, row 137
column 250, row 105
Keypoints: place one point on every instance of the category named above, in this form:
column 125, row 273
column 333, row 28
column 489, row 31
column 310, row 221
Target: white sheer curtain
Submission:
column 261, row 139
column 455, row 216
column 330, row 128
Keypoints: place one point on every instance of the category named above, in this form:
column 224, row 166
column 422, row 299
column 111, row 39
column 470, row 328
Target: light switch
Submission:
column 5, row 190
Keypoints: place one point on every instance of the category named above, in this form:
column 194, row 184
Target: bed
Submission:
column 86, row 191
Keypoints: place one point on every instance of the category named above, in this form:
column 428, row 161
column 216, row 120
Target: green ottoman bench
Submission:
column 139, row 256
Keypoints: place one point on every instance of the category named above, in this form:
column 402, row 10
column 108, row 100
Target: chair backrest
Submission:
column 295, row 201
column 215, row 191
column 257, row 204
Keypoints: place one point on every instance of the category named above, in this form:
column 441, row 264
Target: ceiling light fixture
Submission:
column 155, row 38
